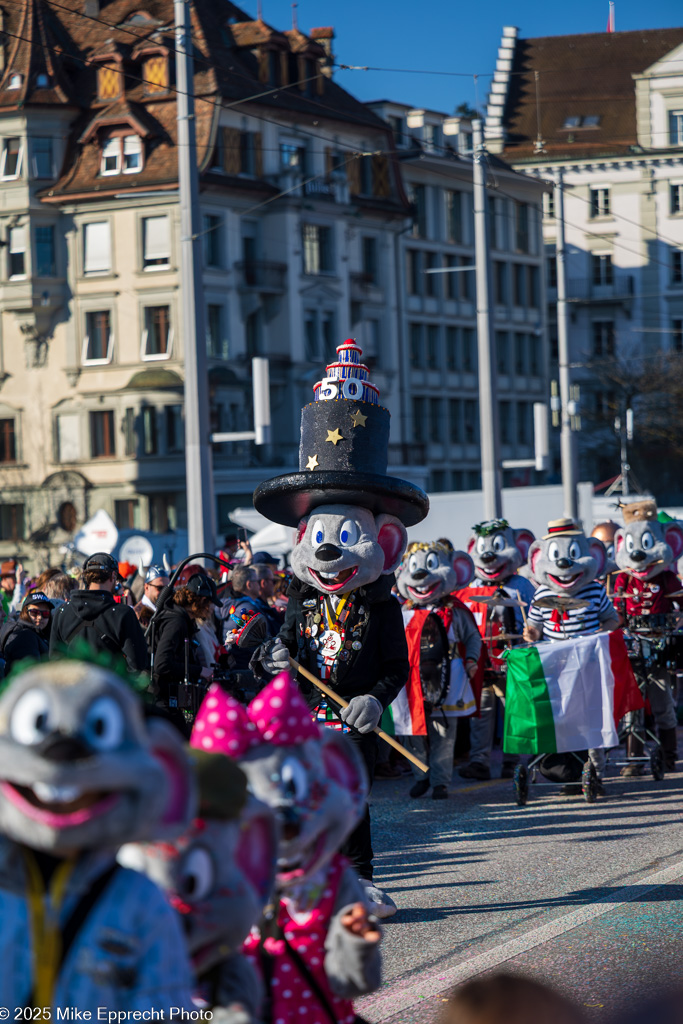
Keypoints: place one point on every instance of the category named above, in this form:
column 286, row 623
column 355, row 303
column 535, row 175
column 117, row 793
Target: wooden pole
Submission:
column 344, row 704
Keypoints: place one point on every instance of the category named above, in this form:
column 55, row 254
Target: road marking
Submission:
column 401, row 995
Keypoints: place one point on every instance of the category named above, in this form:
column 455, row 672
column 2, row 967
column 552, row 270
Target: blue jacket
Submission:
column 129, row 955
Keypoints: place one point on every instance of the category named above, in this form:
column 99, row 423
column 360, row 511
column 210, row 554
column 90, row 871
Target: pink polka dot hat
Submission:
column 278, row 715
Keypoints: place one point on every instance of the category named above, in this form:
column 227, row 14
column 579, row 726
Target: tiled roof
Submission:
column 56, row 37
column 585, row 76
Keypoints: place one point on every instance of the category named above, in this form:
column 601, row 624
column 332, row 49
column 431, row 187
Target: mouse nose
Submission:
column 328, row 552
column 564, row 563
column 57, row 747
column 638, row 556
column 420, row 574
column 486, row 557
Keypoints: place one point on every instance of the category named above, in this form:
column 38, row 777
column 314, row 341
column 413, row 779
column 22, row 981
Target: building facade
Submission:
column 437, row 308
column 301, row 201
column 606, row 112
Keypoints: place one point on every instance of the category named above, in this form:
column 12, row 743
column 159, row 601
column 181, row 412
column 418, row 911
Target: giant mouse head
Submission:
column 219, row 873
column 430, row 572
column 497, row 550
column 645, row 547
column 80, row 765
column 566, row 560
column 312, row 778
column 342, row 547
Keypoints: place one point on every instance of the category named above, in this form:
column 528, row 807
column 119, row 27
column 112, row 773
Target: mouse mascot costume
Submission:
column 645, row 551
column 444, row 647
column 343, row 624
column 498, row 552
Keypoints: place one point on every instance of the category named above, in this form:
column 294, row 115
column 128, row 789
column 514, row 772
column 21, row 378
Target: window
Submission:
column 8, row 444
column 17, row 252
column 414, row 271
column 97, row 247
column 471, row 418
column 455, row 420
column 551, row 264
column 45, row 250
column 676, row 127
column 68, row 437
column 534, row 283
column 431, row 136
column 451, row 278
column 42, row 158
column 677, row 335
column 603, row 338
column 676, row 266
column 157, row 335
column 292, row 157
column 416, row 357
column 130, row 438
column 466, row 279
column 433, row 360
column 676, row 198
column 500, row 283
column 216, row 341
column 525, row 416
column 317, row 249
column 572, row 122
column 590, row 121
column 126, row 513
column 397, row 128
column 600, row 202
column 535, row 354
column 465, row 144
column 454, row 219
column 163, row 513
column 369, row 258
column 432, row 262
column 452, row 360
column 505, row 420
column 156, row 243
column 519, row 278
column 111, row 156
column 602, row 272
column 98, row 340
column 175, row 436
column 213, row 240
column 502, row 352
column 520, row 355
column 155, row 74
column 132, row 154
column 468, row 357
column 419, row 408
column 11, row 160
column 12, row 522
column 549, row 205
column 435, row 431
column 150, row 436
column 252, row 333
column 522, row 227
column 419, row 198
column 311, row 336
column 102, row 439
column 15, row 81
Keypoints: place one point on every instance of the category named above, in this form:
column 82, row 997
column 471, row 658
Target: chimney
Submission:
column 91, row 8
column 324, row 36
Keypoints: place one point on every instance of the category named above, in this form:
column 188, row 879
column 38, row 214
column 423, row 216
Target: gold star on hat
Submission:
column 334, row 436
column 357, row 418
column 312, row 462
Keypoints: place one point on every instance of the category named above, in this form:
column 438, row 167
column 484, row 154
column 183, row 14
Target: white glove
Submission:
column 363, row 713
column 275, row 658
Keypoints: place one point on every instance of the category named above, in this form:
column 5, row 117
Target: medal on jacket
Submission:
column 331, row 638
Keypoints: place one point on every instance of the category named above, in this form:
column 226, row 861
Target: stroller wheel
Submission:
column 589, row 783
column 521, row 785
column 657, row 763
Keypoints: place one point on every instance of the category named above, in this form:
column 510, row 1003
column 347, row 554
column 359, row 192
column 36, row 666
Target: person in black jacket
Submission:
column 176, row 650
column 92, row 615
column 27, row 636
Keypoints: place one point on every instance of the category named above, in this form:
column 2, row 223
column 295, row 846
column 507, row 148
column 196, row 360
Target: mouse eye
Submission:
column 294, row 779
column 30, row 721
column 553, row 552
column 575, row 550
column 318, row 532
column 432, row 562
column 498, row 543
column 413, row 565
column 104, row 725
column 198, row 874
column 349, row 533
column 629, row 543
column 647, row 540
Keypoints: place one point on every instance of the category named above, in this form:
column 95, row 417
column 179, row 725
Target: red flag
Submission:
column 610, row 17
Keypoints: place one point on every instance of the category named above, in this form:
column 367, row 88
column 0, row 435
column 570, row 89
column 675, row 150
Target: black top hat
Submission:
column 343, row 453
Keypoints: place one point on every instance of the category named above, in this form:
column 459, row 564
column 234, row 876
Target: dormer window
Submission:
column 588, row 121
column 108, row 83
column 155, row 74
column 42, row 81
column 15, row 81
column 122, row 154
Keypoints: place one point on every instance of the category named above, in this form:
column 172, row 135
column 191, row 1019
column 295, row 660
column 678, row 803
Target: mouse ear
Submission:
column 392, row 537
column 599, row 553
column 344, row 765
column 673, row 535
column 256, row 852
column 463, row 566
column 534, row 555
column 470, row 545
column 523, row 540
column 173, row 756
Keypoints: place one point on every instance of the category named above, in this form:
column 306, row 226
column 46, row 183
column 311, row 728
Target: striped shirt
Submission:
column 572, row 621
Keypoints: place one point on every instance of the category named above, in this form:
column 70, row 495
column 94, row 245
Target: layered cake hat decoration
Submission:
column 343, row 452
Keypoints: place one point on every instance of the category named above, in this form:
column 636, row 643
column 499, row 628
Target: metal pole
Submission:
column 567, row 445
column 198, row 464
column 625, row 468
column 488, row 397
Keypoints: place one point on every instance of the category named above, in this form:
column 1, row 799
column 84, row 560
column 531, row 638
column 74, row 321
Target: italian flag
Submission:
column 568, row 695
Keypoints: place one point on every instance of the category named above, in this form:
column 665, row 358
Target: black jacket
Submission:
column 22, row 641
column 94, row 616
column 380, row 668
column 172, row 627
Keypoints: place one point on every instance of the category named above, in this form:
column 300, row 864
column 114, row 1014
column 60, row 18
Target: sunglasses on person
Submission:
column 40, row 613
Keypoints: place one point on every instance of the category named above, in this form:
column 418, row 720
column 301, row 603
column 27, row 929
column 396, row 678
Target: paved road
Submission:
column 587, row 897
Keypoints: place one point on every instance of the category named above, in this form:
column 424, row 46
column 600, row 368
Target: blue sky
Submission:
column 461, row 37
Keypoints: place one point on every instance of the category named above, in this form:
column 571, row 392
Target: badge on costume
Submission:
column 330, row 642
column 654, row 588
